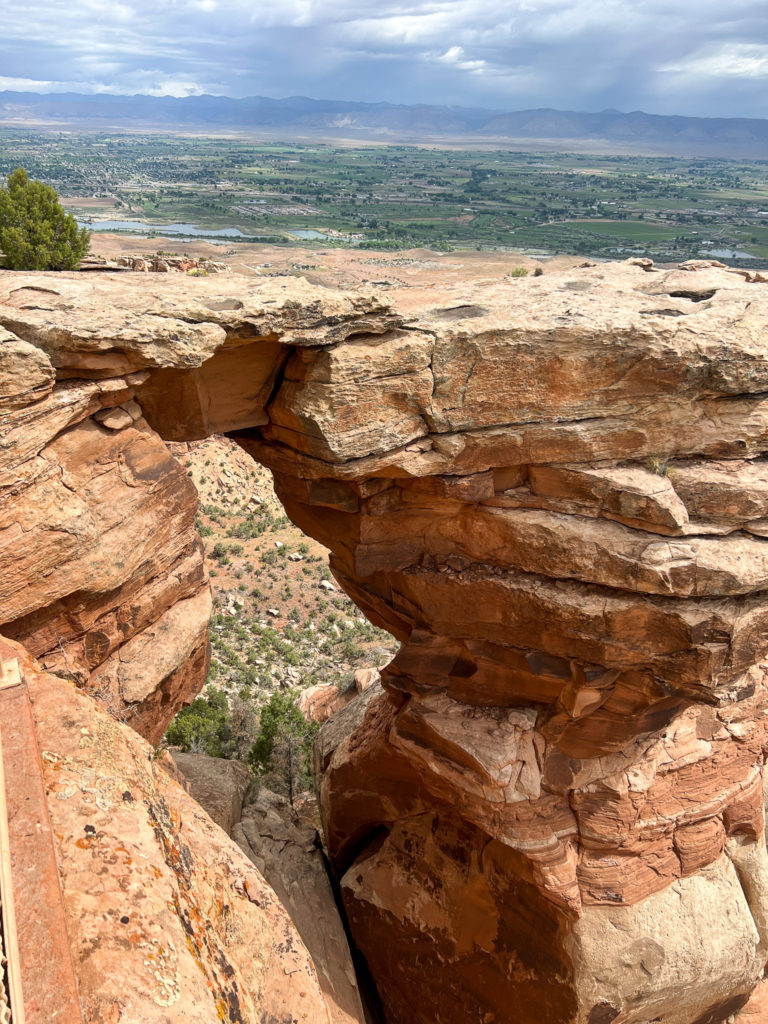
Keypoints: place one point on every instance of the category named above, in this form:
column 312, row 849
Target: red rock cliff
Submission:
column 554, row 491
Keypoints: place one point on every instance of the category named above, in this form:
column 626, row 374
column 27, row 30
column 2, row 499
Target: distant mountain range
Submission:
column 298, row 116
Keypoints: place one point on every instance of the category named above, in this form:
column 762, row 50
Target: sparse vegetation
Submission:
column 205, row 727
column 275, row 630
column 281, row 755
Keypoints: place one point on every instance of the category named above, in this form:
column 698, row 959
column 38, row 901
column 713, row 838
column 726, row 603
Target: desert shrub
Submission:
column 282, row 751
column 202, row 529
column 219, row 552
column 252, row 526
column 204, row 727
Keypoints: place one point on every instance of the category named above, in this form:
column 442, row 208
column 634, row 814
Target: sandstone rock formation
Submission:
column 285, row 850
column 319, row 703
column 218, row 785
column 168, row 264
column 166, row 919
column 554, row 492
column 103, row 570
column 155, row 263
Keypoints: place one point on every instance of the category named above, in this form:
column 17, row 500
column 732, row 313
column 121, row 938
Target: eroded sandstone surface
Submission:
column 554, row 492
column 166, row 919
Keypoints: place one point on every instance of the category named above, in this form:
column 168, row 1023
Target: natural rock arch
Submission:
column 555, row 493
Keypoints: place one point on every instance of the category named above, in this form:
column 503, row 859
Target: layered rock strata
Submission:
column 219, row 786
column 102, row 567
column 554, row 492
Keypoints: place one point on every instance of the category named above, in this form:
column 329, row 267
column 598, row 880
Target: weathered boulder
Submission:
column 286, row 850
column 218, row 785
column 166, row 918
column 318, row 703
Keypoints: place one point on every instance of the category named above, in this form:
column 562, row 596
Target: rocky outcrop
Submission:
column 103, row 570
column 554, row 492
column 156, row 263
column 168, row 264
column 102, row 566
column 285, row 848
column 218, row 785
column 166, row 919
column 319, row 703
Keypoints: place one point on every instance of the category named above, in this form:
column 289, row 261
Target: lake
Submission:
column 162, row 229
column 729, row 254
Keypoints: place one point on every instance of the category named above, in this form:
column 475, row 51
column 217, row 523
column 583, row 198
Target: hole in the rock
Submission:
column 602, row 1013
column 693, row 296
column 361, row 845
column 458, row 313
column 548, row 664
column 463, row 668
column 284, row 637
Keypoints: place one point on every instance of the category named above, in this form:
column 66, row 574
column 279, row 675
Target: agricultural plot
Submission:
column 395, row 197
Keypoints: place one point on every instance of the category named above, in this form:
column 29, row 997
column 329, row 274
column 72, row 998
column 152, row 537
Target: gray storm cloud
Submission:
column 709, row 58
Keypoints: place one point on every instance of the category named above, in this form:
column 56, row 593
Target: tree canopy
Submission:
column 282, row 753
column 204, row 727
column 36, row 233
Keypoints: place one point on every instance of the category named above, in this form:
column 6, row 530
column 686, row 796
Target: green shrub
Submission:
column 202, row 529
column 35, row 231
column 220, row 553
column 282, row 751
column 204, row 727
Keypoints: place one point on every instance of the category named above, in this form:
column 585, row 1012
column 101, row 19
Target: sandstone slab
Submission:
column 218, row 785
column 164, row 915
column 287, row 851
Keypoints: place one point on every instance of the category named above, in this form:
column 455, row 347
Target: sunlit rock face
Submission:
column 165, row 918
column 554, row 492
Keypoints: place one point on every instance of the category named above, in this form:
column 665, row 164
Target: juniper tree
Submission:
column 36, row 233
column 282, row 752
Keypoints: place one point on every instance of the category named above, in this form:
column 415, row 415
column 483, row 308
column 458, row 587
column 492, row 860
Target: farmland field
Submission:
column 397, row 197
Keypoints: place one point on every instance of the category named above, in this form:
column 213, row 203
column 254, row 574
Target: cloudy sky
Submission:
column 706, row 58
